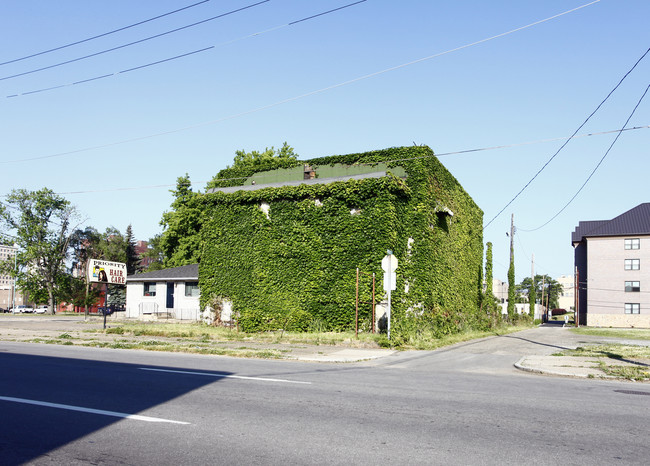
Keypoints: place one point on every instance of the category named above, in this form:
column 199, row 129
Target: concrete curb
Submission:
column 345, row 355
column 568, row 366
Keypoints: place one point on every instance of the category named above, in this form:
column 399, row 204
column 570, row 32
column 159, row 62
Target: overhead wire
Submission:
column 568, row 140
column 156, row 36
column 597, row 165
column 104, row 34
column 183, row 55
column 363, row 163
column 301, row 96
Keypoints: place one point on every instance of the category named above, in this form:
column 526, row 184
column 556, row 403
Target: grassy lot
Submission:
column 194, row 332
column 635, row 357
column 626, row 333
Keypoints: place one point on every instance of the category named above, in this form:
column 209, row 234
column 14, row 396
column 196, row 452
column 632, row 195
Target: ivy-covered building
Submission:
column 282, row 240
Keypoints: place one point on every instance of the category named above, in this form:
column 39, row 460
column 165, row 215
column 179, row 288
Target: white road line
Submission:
column 225, row 376
column 134, row 417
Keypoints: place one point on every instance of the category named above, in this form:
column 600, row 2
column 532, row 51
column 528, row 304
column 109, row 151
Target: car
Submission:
column 4, row 310
column 41, row 309
column 22, row 308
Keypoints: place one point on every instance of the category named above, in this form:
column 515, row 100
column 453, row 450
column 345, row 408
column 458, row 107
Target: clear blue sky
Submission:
column 535, row 84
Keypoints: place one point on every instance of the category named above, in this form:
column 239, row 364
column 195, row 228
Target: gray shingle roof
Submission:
column 185, row 272
column 635, row 221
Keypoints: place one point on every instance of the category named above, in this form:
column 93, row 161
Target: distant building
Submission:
column 7, row 289
column 566, row 300
column 500, row 290
column 612, row 258
column 141, row 248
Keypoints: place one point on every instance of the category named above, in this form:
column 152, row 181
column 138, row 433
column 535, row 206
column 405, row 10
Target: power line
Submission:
column 128, row 188
column 134, row 42
column 183, row 55
column 139, row 23
column 597, row 165
column 568, row 140
column 301, row 96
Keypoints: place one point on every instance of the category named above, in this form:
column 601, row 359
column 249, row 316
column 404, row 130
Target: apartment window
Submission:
column 632, row 264
column 149, row 289
column 632, row 286
column 192, row 289
column 632, row 308
column 632, row 243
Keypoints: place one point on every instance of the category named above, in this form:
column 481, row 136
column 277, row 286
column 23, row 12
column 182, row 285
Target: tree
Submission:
column 179, row 242
column 532, row 299
column 490, row 300
column 75, row 290
column 40, row 222
column 243, row 158
column 544, row 286
column 132, row 258
column 155, row 251
column 511, row 286
column 86, row 244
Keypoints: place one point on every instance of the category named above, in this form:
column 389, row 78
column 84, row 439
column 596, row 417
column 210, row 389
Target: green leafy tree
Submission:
column 532, row 300
column 132, row 258
column 155, row 252
column 512, row 295
column 75, row 290
column 179, row 242
column 40, row 223
column 113, row 245
column 490, row 300
column 86, row 244
column 544, row 286
column 256, row 158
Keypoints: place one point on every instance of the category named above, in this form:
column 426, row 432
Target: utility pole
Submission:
column 512, row 235
column 543, row 290
column 576, row 290
column 532, row 284
column 511, row 273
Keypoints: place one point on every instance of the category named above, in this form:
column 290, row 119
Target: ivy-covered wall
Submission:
column 293, row 264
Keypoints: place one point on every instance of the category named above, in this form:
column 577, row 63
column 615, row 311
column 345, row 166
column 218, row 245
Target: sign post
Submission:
column 100, row 271
column 389, row 265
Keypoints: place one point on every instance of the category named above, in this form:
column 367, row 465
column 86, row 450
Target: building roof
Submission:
column 185, row 272
column 255, row 187
column 635, row 221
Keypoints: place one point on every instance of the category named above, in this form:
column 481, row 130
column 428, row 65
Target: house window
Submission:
column 632, row 308
column 632, row 243
column 632, row 286
column 192, row 289
column 632, row 264
column 149, row 289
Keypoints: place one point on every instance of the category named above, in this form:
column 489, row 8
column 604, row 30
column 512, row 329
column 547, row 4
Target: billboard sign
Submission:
column 100, row 271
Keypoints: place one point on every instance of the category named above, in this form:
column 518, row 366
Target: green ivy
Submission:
column 298, row 266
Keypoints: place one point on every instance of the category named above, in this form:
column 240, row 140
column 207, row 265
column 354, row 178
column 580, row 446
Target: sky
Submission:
column 513, row 79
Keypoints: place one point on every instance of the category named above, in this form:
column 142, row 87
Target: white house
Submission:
column 169, row 293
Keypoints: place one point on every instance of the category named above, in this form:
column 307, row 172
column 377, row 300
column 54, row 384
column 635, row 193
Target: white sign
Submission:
column 100, row 271
column 390, row 278
column 389, row 263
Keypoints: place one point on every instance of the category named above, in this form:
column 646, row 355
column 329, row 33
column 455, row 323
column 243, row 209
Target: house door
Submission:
column 170, row 295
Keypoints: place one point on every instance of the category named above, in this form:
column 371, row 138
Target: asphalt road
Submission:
column 460, row 405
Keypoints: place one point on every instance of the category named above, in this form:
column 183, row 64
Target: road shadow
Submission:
column 30, row 431
column 536, row 342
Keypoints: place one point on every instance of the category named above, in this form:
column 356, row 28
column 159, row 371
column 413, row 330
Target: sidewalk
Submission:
column 570, row 366
column 580, row 366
